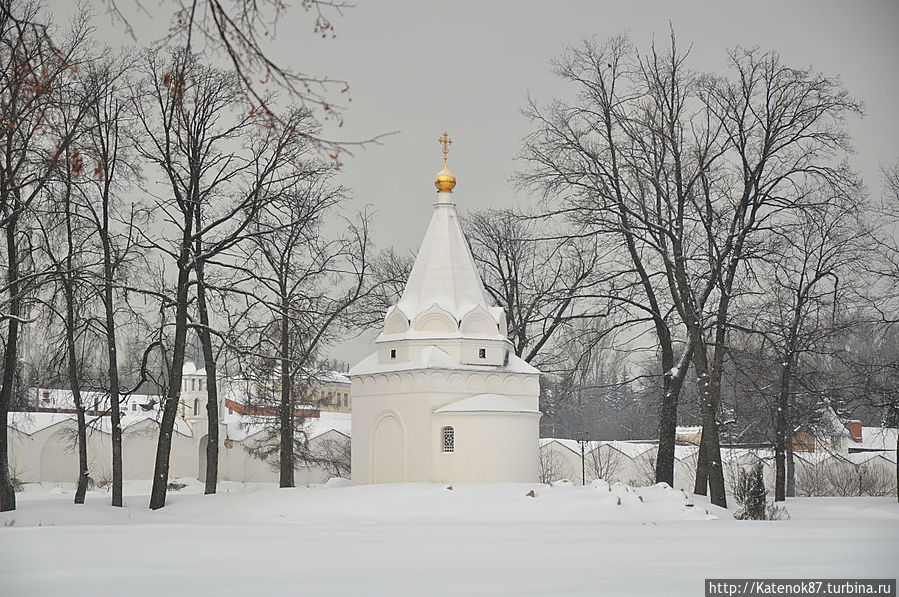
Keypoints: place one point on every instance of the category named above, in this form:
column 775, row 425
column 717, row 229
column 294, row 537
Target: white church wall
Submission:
column 238, row 464
column 24, row 456
column 58, row 461
column 398, row 423
column 557, row 461
column 50, row 456
column 392, row 414
column 488, row 447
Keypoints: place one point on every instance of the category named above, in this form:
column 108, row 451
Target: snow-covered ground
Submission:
column 423, row 539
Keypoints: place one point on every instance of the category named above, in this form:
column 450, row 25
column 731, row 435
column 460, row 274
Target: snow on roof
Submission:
column 745, row 455
column 189, row 368
column 877, row 438
column 444, row 272
column 817, row 457
column 688, row 430
column 486, row 403
column 240, row 427
column 829, row 424
column 59, row 398
column 865, row 457
column 571, row 444
column 331, row 377
column 432, row 357
column 30, row 423
column 631, row 449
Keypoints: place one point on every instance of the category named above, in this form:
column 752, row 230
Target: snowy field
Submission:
column 422, row 539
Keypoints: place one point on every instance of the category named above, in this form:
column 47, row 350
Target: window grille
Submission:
column 449, row 440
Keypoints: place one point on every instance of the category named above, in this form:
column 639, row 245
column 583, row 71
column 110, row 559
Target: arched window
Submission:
column 449, row 440
column 196, row 406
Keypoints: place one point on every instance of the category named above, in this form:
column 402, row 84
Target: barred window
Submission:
column 449, row 441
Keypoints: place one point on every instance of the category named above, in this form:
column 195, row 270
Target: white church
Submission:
column 444, row 398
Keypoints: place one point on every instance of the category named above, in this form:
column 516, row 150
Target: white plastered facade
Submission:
column 443, row 362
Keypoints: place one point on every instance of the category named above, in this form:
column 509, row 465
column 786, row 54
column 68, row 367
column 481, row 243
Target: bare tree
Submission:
column 239, row 31
column 106, row 144
column 807, row 284
column 333, row 454
column 689, row 171
column 32, row 70
column 390, row 271
column 542, row 283
column 64, row 240
column 783, row 134
column 592, row 152
column 303, row 287
column 603, row 464
column 221, row 162
column 550, row 466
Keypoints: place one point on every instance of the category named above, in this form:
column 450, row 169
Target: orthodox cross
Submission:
column 446, row 142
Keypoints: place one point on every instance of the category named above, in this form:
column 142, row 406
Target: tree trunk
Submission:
column 668, row 418
column 709, row 468
column 285, row 411
column 781, row 422
column 212, row 404
column 74, row 383
column 11, row 351
column 173, row 392
column 68, row 281
column 112, row 363
column 791, row 466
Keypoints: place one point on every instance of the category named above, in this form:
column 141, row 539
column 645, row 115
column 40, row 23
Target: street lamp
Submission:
column 582, row 438
column 861, row 470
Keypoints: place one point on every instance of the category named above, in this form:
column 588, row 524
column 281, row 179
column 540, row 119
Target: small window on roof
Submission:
column 449, row 439
column 482, row 353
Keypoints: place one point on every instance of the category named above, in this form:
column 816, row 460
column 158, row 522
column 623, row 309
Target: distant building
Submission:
column 688, row 435
column 335, row 391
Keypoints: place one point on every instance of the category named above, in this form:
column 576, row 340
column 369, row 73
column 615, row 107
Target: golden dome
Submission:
column 445, row 181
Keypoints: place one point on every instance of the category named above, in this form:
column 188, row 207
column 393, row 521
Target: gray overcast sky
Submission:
column 422, row 67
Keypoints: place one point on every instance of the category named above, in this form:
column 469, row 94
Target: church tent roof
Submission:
column 444, row 272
